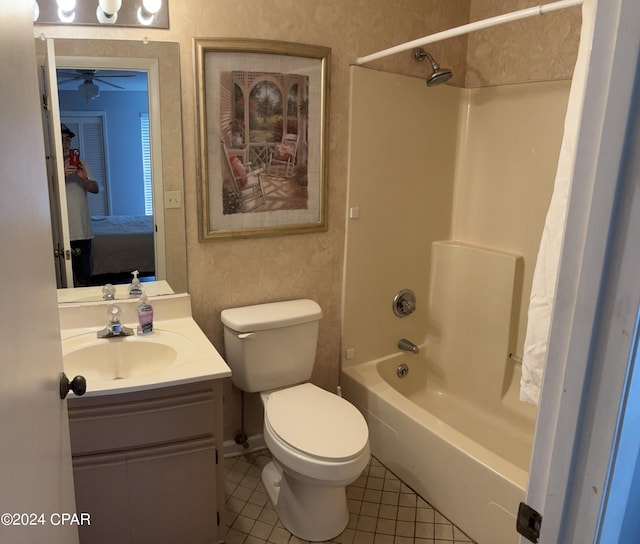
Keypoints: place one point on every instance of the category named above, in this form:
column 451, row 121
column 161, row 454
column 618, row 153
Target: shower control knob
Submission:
column 408, row 306
column 404, row 303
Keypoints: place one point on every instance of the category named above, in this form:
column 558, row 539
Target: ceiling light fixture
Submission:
column 105, row 13
column 89, row 90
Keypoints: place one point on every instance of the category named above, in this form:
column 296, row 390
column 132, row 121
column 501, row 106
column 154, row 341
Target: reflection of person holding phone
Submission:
column 78, row 181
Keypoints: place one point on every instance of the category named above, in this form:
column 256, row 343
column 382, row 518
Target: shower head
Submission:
column 439, row 75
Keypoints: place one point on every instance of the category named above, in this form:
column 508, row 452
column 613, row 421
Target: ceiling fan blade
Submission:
column 116, row 75
column 108, row 83
column 60, row 81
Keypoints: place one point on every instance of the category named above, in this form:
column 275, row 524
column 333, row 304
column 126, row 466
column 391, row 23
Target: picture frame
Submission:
column 262, row 114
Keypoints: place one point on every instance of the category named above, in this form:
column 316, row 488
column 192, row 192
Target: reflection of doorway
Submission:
column 112, row 133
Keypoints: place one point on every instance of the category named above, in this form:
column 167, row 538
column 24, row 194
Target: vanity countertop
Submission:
column 197, row 359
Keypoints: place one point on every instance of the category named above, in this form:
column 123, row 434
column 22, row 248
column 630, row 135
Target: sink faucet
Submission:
column 114, row 328
column 407, row 345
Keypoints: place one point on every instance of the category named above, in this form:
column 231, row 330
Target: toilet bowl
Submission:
column 320, row 445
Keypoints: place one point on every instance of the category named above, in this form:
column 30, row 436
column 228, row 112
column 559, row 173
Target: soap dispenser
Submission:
column 135, row 289
column 145, row 316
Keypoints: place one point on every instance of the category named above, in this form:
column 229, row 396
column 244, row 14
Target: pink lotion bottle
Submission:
column 145, row 316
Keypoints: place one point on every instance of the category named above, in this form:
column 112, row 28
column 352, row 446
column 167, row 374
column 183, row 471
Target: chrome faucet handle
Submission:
column 408, row 306
column 114, row 328
column 113, row 313
column 108, row 292
column 404, row 303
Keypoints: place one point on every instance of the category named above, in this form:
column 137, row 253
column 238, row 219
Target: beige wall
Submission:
column 228, row 273
column 535, row 49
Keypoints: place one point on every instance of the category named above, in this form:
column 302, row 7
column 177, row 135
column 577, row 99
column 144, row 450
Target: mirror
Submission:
column 105, row 115
column 167, row 157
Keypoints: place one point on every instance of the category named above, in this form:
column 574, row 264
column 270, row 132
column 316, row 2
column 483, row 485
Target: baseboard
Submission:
column 256, row 443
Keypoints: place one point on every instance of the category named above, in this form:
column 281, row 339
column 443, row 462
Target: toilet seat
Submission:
column 316, row 423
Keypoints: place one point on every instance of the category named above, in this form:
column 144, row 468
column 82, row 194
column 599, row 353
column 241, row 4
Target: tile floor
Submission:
column 383, row 510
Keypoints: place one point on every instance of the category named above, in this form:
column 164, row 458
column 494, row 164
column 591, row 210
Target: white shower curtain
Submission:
column 546, row 272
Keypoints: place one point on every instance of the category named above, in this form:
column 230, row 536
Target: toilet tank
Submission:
column 271, row 345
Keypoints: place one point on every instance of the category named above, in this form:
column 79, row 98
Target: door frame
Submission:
column 596, row 299
column 55, row 169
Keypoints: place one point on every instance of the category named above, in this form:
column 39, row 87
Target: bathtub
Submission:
column 469, row 462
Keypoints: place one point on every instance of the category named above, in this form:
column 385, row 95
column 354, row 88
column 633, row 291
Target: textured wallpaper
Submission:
column 539, row 48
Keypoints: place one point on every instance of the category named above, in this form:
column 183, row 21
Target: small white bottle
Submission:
column 135, row 289
column 145, row 316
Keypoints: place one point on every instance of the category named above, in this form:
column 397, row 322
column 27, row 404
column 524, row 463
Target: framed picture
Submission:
column 262, row 137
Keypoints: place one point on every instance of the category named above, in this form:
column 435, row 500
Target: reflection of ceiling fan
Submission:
column 88, row 89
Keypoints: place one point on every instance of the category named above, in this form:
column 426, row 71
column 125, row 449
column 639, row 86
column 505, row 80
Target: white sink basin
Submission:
column 124, row 357
column 177, row 352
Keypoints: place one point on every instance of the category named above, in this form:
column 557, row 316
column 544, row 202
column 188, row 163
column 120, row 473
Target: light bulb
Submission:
column 66, row 10
column 67, row 6
column 105, row 18
column 152, row 6
column 36, row 11
column 66, row 17
column 109, row 7
column 144, row 18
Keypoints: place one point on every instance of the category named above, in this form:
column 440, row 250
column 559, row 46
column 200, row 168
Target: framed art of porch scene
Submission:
column 262, row 137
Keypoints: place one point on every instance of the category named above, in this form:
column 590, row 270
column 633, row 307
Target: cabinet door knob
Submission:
column 78, row 385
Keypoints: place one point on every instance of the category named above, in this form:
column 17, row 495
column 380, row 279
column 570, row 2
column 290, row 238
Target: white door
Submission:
column 583, row 406
column 35, row 462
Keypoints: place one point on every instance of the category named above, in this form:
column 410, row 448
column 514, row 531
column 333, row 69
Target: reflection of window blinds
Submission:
column 90, row 140
column 93, row 149
column 146, row 163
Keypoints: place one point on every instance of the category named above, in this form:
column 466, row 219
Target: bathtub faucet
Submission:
column 407, row 345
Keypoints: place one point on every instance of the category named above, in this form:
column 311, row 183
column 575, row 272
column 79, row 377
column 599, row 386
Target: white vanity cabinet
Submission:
column 148, row 465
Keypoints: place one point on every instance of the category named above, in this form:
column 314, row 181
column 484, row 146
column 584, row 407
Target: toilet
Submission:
column 319, row 442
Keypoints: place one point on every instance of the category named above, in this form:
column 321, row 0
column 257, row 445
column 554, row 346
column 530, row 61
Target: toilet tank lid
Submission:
column 271, row 315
